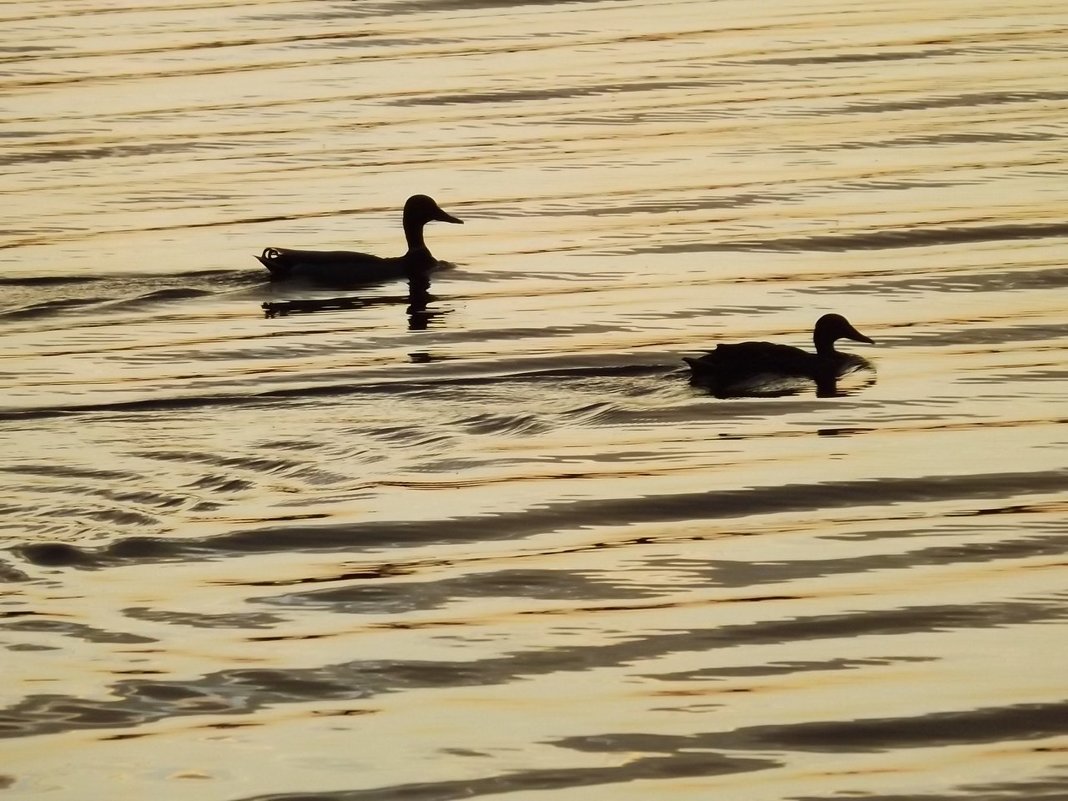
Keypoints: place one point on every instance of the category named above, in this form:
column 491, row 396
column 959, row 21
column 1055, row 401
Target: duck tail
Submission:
column 275, row 262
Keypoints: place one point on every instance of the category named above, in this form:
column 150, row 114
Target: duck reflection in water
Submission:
column 418, row 299
column 347, row 268
column 767, row 368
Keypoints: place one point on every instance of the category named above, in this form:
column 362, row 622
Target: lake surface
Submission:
column 489, row 542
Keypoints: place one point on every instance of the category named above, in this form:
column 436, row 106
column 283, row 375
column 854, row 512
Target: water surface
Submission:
column 486, row 540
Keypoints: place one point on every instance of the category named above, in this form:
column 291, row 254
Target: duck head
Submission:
column 421, row 209
column 832, row 327
column 418, row 211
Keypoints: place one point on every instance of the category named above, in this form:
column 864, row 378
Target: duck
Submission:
column 734, row 369
column 348, row 267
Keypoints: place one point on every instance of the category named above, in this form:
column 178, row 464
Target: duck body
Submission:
column 763, row 368
column 341, row 267
column 346, row 267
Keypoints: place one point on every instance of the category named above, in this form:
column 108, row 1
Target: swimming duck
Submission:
column 731, row 367
column 348, row 267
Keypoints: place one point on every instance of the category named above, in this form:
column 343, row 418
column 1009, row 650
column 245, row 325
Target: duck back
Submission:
column 331, row 266
column 753, row 358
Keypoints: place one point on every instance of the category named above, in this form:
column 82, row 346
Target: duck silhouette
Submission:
column 747, row 368
column 344, row 267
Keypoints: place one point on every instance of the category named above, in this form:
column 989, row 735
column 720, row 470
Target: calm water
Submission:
column 494, row 544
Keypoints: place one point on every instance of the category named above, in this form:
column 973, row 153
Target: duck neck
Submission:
column 824, row 345
column 413, row 233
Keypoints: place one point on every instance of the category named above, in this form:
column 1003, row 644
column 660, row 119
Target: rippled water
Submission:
column 491, row 542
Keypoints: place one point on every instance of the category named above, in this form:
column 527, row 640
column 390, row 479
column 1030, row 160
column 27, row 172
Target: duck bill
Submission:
column 444, row 216
column 856, row 336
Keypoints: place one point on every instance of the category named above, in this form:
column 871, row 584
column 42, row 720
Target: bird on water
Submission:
column 742, row 364
column 350, row 267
